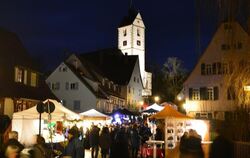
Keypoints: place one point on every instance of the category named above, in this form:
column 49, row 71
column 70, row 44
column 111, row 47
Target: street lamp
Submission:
column 156, row 98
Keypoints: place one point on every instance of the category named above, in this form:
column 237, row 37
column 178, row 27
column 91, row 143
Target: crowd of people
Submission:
column 123, row 141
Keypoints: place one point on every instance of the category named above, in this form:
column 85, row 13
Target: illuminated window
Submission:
column 196, row 94
column 33, row 79
column 18, row 75
column 208, row 69
column 210, row 93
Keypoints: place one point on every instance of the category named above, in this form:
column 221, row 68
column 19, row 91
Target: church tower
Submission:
column 131, row 41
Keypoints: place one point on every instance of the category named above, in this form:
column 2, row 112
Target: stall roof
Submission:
column 155, row 107
column 169, row 112
column 93, row 114
column 59, row 113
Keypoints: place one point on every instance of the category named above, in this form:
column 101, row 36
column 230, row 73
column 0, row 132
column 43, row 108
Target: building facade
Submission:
column 104, row 80
column 21, row 85
column 209, row 91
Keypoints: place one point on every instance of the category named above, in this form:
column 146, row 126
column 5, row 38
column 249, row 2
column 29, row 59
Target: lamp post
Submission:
column 156, row 98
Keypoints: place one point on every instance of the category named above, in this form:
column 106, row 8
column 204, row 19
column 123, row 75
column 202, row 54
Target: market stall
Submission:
column 175, row 125
column 93, row 116
column 26, row 122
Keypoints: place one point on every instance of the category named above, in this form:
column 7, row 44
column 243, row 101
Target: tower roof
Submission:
column 129, row 19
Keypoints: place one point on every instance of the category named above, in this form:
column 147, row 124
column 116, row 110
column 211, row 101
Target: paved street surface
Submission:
column 171, row 153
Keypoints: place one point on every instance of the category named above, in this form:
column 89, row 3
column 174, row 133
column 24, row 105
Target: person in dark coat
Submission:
column 94, row 141
column 183, row 144
column 221, row 147
column 40, row 150
column 105, row 141
column 75, row 145
column 121, row 144
column 135, row 141
column 193, row 145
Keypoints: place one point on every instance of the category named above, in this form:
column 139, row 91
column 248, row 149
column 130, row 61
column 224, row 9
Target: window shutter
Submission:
column 203, row 93
column 202, row 69
column 216, row 93
column 190, row 93
column 219, row 68
column 214, row 68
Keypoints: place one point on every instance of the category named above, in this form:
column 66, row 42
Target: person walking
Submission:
column 75, row 146
column 94, row 141
column 105, row 141
column 221, row 146
column 135, row 141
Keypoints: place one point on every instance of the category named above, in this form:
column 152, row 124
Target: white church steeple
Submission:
column 131, row 41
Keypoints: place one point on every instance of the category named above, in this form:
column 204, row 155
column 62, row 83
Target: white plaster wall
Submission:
column 8, row 107
column 138, row 87
column 86, row 97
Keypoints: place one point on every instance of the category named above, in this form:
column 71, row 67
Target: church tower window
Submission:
column 124, row 43
column 138, row 42
column 125, row 32
column 138, row 32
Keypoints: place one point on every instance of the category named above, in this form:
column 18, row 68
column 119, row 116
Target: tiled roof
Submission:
column 112, row 64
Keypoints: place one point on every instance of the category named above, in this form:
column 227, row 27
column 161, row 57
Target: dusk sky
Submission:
column 47, row 28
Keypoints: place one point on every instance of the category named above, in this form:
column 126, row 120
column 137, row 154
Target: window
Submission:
column 225, row 47
column 33, row 79
column 208, row 69
column 225, row 68
column 18, row 75
column 203, row 69
column 67, row 85
column 55, row 86
column 77, row 105
column 134, row 79
column 195, row 94
column 125, row 32
column 124, row 43
column 239, row 45
column 138, row 42
column 210, row 93
column 74, row 86
column 138, row 32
